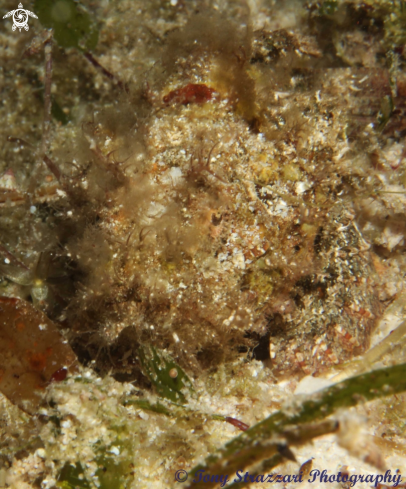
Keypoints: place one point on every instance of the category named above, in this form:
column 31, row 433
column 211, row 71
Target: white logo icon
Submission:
column 20, row 17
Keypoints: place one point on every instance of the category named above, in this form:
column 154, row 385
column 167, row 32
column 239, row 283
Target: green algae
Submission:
column 168, row 378
column 262, row 440
column 72, row 25
column 72, row 477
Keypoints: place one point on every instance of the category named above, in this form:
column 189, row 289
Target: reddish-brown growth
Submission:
column 38, row 361
column 237, row 423
column 59, row 375
column 39, row 352
column 190, row 94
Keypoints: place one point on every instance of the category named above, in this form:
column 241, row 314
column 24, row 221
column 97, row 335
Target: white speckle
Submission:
column 40, row 452
column 33, row 209
column 6, row 260
column 239, row 260
column 7, row 180
column 176, row 337
column 143, row 415
column 299, row 357
column 155, row 210
column 391, row 238
column 66, row 424
column 173, row 176
column 281, row 95
column 301, row 187
column 222, row 257
column 42, row 326
column 115, row 450
column 228, row 321
column 176, row 174
column 280, row 208
column 310, row 384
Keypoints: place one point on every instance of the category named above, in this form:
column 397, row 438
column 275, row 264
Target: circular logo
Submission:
column 20, row 18
column 181, row 475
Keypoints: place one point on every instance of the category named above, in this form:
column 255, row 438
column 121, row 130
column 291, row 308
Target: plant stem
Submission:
column 261, row 441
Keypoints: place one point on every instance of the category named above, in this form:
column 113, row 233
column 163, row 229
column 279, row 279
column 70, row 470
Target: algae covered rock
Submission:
column 211, row 211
